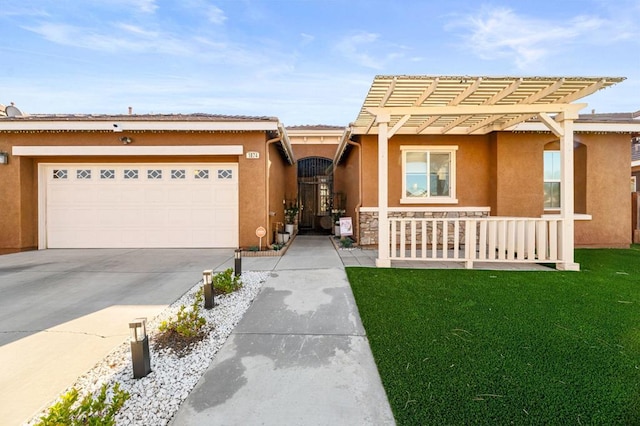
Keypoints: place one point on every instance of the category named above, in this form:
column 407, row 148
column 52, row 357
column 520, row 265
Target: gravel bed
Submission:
column 156, row 398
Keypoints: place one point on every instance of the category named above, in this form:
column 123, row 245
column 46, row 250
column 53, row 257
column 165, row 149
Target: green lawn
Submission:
column 461, row 347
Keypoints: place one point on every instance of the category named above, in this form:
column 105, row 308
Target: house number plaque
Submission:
column 253, row 155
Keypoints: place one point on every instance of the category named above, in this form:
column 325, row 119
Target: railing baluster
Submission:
column 456, row 239
column 423, row 246
column 531, row 239
column 482, row 245
column 502, row 239
column 520, row 240
column 553, row 240
column 445, row 238
column 413, row 239
column 434, row 239
column 393, row 248
column 493, row 234
column 470, row 243
column 511, row 240
column 541, row 237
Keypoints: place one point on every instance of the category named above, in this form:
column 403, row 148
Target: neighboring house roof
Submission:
column 617, row 117
column 618, row 122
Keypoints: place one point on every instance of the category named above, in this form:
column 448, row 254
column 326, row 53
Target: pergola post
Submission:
column 383, row 260
column 567, row 195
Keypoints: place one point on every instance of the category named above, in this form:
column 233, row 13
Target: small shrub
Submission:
column 188, row 322
column 254, row 248
column 277, row 246
column 346, row 242
column 226, row 282
column 90, row 411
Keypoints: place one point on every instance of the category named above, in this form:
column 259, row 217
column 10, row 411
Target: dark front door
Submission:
column 315, row 183
column 307, row 193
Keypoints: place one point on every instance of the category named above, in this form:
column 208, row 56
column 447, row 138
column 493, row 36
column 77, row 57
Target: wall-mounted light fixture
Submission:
column 4, row 158
column 126, row 140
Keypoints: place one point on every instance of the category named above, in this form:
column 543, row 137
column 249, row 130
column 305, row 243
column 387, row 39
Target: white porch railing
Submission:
column 489, row 239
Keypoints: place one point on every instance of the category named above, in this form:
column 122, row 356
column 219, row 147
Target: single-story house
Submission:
column 467, row 169
column 84, row 181
column 487, row 169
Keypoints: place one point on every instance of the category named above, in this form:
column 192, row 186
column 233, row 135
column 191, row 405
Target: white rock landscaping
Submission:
column 155, row 398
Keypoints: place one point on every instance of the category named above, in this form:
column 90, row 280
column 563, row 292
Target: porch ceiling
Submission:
column 466, row 105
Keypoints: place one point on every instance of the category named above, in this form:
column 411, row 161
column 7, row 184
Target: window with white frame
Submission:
column 428, row 174
column 551, row 180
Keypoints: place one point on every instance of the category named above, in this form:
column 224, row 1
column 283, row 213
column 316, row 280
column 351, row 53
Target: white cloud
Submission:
column 354, row 48
column 307, row 38
column 501, row 33
column 146, row 6
column 215, row 15
column 116, row 38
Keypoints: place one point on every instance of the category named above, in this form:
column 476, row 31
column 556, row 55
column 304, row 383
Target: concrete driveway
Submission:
column 61, row 311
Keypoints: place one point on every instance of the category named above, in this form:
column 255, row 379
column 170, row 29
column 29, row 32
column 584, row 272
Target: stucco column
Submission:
column 383, row 260
column 567, row 197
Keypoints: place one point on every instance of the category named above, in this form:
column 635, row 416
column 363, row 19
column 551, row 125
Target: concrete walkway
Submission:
column 299, row 356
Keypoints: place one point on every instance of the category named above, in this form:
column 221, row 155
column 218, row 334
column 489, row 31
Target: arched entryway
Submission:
column 315, row 189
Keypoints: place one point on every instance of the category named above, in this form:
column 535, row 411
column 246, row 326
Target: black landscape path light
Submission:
column 140, row 348
column 238, row 262
column 207, row 285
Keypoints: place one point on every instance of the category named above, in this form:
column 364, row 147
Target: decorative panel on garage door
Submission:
column 141, row 205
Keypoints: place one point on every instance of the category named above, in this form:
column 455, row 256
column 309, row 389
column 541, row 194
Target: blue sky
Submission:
column 304, row 61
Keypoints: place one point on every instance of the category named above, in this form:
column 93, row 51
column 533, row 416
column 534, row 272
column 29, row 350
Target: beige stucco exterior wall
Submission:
column 19, row 199
column 504, row 171
column 277, row 187
column 472, row 171
column 346, row 179
column 608, row 198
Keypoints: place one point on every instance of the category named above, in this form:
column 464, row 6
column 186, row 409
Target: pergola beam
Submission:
column 477, row 109
column 555, row 128
column 467, row 92
column 427, row 92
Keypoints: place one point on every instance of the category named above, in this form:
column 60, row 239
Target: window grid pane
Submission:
column 552, row 179
column 427, row 174
column 60, row 174
column 225, row 174
column 178, row 174
column 107, row 174
column 83, row 174
column 201, row 174
column 154, row 174
column 131, row 174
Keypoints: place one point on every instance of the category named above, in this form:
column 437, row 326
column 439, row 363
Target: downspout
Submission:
column 267, row 183
column 357, row 209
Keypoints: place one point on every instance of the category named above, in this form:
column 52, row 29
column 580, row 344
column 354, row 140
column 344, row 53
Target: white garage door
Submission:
column 141, row 205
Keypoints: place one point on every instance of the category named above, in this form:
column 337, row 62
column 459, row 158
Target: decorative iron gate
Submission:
column 315, row 189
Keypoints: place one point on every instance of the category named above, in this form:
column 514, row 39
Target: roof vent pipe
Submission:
column 130, row 110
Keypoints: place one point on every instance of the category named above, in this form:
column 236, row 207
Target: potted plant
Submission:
column 282, row 236
column 290, row 215
column 337, row 214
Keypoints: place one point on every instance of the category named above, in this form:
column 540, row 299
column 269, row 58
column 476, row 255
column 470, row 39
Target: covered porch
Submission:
column 440, row 227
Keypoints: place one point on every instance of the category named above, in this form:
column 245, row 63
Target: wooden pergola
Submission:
column 463, row 105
